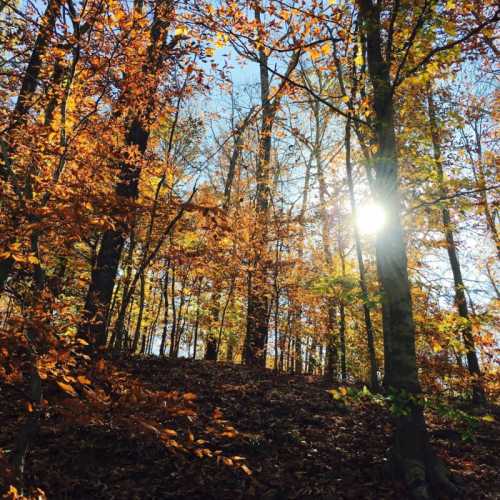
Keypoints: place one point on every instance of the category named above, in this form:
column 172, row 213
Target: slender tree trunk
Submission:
column 343, row 364
column 361, row 267
column 480, row 177
column 137, row 332
column 331, row 345
column 257, row 326
column 211, row 347
column 165, row 312
column 478, row 396
column 174, row 316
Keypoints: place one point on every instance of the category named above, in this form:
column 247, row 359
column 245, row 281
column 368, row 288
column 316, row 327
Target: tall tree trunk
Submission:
column 173, row 327
column 412, row 455
column 138, row 325
column 343, row 359
column 478, row 396
column 297, row 312
column 92, row 325
column 258, row 303
column 163, row 343
column 361, row 266
column 331, row 344
column 480, row 177
column 211, row 347
column 257, row 325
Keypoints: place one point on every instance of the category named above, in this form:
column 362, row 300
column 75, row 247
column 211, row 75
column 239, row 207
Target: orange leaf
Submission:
column 68, row 389
column 169, row 432
column 83, row 380
column 246, row 470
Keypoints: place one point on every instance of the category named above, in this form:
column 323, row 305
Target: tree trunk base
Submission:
column 415, row 462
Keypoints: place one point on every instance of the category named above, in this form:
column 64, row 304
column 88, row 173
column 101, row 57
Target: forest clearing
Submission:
column 249, row 249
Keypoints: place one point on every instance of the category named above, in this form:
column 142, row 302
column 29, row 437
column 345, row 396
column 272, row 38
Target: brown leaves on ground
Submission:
column 153, row 428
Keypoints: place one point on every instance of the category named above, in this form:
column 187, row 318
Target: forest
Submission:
column 249, row 249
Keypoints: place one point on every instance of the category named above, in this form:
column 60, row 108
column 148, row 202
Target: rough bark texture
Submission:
column 412, row 456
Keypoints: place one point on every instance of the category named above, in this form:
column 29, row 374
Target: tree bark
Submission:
column 163, row 343
column 361, row 266
column 478, row 396
column 257, row 325
column 331, row 343
column 412, row 455
column 92, row 325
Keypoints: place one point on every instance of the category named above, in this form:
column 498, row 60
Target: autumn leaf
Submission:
column 83, row 380
column 246, row 469
column 436, row 347
column 67, row 388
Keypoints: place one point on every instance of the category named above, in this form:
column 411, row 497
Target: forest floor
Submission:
column 153, row 428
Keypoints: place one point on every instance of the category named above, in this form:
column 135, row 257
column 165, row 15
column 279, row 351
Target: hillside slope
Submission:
column 194, row 429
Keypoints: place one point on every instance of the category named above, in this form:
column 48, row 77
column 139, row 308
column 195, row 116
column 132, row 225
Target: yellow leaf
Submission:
column 83, row 380
column 12, row 493
column 335, row 394
column 221, row 40
column 488, row 418
column 246, row 470
column 68, row 389
column 345, row 98
column 359, row 60
column 33, row 259
column 325, row 49
column 181, row 31
column 436, row 347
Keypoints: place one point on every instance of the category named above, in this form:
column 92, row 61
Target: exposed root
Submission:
column 414, row 461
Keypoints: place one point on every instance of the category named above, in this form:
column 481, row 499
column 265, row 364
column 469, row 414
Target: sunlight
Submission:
column 370, row 218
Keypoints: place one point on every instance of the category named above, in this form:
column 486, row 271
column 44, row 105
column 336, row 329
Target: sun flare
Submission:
column 370, row 218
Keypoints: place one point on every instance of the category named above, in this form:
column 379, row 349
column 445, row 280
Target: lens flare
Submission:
column 370, row 218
